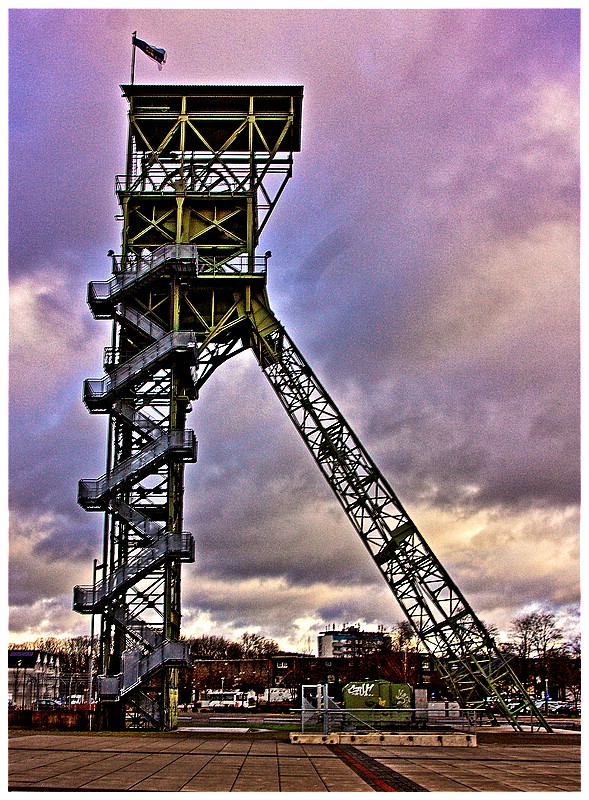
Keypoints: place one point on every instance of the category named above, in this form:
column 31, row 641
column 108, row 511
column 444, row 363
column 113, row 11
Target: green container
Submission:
column 361, row 697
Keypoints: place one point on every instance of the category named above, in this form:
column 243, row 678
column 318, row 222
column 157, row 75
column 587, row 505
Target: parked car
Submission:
column 518, row 705
column 559, row 707
column 40, row 705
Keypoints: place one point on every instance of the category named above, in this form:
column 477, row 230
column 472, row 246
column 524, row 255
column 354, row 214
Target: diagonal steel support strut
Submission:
column 445, row 623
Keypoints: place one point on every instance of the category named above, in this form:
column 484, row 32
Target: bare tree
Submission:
column 570, row 670
column 537, row 635
column 404, row 643
column 209, row 646
column 522, row 629
column 255, row 646
column 402, row 636
column 546, row 633
column 72, row 651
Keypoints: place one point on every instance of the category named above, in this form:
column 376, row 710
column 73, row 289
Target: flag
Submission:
column 156, row 53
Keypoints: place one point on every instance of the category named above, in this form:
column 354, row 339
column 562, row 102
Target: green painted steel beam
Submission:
column 434, row 606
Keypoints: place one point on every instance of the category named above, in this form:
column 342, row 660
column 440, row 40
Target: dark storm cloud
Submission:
column 43, row 478
column 476, row 321
column 256, row 502
column 425, row 259
column 51, row 435
column 501, row 448
column 64, row 129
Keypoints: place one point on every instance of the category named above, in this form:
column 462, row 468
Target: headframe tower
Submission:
column 205, row 168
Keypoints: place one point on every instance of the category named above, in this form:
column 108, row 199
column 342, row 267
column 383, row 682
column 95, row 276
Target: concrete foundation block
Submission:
column 389, row 739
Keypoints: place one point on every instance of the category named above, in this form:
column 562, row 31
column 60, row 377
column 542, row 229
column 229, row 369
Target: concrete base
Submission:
column 211, row 729
column 389, row 739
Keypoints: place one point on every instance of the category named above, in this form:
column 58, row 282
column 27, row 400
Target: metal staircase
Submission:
column 138, row 272
column 146, row 360
column 178, row 445
column 139, row 632
column 99, row 393
column 141, row 424
column 138, row 666
column 129, row 315
column 92, row 599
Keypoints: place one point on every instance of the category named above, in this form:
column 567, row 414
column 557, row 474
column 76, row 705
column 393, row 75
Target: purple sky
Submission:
column 425, row 260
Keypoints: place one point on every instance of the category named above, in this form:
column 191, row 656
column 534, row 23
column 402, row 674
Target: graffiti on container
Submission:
column 361, row 690
column 403, row 698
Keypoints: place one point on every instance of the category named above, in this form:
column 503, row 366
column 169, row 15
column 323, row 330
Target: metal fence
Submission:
column 348, row 720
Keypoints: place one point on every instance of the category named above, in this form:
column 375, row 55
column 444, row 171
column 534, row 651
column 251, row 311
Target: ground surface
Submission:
column 245, row 762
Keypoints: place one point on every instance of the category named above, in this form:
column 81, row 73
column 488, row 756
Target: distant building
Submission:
column 32, row 675
column 260, row 674
column 350, row 642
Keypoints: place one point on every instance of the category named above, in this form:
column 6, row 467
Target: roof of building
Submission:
column 29, row 658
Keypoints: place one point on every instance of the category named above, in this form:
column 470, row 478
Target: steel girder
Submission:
column 438, row 612
column 205, row 168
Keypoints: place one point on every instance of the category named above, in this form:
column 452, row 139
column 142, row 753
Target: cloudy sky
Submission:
column 425, row 261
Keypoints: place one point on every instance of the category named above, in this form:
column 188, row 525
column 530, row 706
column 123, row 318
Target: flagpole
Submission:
column 133, row 35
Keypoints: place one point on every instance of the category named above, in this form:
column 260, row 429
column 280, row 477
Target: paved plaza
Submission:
column 238, row 762
column 494, row 767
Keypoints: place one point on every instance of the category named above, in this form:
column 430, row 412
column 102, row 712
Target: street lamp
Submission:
column 16, row 676
column 91, row 648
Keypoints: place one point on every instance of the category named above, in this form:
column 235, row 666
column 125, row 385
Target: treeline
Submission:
column 535, row 635
column 74, row 651
column 249, row 645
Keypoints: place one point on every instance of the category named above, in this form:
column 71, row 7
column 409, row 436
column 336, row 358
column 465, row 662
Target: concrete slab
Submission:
column 212, row 729
column 170, row 762
column 508, row 763
column 388, row 739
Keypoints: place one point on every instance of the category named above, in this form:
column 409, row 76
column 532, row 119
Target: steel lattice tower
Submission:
column 205, row 168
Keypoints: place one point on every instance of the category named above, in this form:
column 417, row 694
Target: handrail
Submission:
column 137, row 664
column 146, row 705
column 103, row 290
column 134, row 367
column 198, row 176
column 370, row 717
column 139, row 321
column 139, row 522
column 186, row 254
column 137, row 419
column 181, row 442
column 180, row 544
column 138, row 629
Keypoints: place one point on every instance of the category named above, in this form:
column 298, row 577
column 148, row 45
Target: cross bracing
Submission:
column 204, row 171
column 205, row 168
column 440, row 616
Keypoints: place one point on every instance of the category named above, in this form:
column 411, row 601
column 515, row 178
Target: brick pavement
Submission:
column 498, row 766
column 175, row 762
